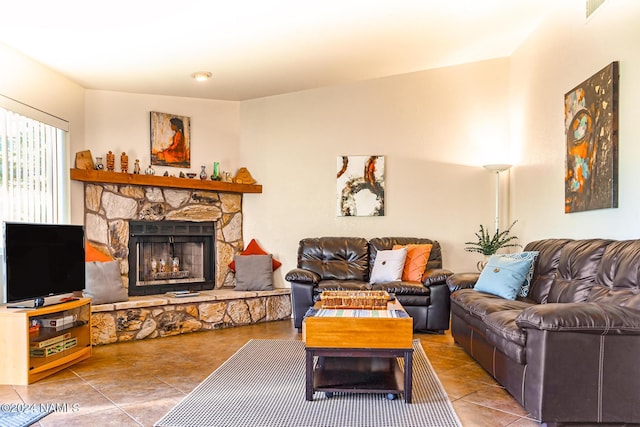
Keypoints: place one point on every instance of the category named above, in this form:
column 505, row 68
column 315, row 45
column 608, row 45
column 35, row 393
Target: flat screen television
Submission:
column 40, row 261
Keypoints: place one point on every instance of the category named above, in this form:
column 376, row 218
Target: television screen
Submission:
column 42, row 260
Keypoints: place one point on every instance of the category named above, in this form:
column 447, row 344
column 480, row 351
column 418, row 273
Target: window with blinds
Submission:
column 30, row 153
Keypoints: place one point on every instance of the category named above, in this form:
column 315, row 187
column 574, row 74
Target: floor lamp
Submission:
column 497, row 168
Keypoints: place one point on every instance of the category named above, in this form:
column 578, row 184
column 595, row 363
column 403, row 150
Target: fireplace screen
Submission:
column 170, row 255
column 169, row 262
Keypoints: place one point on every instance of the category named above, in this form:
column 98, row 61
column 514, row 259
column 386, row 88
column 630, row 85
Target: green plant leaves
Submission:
column 489, row 245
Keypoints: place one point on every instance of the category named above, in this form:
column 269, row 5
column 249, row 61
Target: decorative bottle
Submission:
column 203, row 173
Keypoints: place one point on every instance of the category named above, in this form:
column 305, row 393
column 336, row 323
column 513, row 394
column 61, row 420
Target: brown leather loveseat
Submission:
column 345, row 263
column 569, row 350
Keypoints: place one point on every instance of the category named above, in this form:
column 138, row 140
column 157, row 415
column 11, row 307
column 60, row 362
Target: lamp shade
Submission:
column 497, row 167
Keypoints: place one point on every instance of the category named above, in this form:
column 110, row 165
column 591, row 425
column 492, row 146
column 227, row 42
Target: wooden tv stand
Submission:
column 28, row 356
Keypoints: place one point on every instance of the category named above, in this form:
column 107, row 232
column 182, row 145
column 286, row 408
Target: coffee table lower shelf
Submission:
column 358, row 371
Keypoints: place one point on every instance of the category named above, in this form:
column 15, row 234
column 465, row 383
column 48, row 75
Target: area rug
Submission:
column 18, row 415
column 263, row 384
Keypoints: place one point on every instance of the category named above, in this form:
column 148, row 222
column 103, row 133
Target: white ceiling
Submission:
column 256, row 48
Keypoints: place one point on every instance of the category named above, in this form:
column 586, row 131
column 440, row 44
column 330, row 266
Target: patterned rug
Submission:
column 18, row 415
column 263, row 384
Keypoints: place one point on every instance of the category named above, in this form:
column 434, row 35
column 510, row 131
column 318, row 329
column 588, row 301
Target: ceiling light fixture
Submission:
column 201, row 76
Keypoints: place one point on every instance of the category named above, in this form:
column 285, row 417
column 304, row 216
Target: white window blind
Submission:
column 30, row 155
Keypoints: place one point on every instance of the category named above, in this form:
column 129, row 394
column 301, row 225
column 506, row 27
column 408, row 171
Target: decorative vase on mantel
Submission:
column 203, row 173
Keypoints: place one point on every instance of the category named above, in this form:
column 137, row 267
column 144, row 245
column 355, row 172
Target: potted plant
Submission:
column 488, row 245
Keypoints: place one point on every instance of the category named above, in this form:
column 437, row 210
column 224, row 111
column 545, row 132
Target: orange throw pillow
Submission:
column 91, row 253
column 416, row 261
column 253, row 248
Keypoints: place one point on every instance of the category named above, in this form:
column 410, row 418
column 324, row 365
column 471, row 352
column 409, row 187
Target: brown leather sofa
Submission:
column 345, row 263
column 569, row 351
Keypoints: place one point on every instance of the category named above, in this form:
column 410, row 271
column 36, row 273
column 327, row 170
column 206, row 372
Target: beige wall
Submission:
column 30, row 83
column 119, row 122
column 435, row 128
column 564, row 52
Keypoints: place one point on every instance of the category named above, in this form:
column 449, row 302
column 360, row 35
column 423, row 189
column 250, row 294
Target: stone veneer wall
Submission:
column 109, row 207
column 161, row 316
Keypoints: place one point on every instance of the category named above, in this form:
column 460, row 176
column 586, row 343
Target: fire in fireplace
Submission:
column 167, row 256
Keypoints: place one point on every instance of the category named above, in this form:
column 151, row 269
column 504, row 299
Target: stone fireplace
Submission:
column 111, row 209
column 119, row 205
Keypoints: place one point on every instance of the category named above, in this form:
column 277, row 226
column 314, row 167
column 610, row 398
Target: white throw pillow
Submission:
column 388, row 266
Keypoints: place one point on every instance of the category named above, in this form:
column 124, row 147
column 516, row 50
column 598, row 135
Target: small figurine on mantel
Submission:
column 244, row 177
column 149, row 171
column 111, row 161
column 136, row 167
column 124, row 163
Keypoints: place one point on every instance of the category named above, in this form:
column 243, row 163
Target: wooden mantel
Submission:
column 106, row 177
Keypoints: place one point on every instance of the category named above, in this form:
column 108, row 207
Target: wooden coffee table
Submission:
column 357, row 352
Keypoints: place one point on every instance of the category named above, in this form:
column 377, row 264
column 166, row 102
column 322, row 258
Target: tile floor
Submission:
column 136, row 383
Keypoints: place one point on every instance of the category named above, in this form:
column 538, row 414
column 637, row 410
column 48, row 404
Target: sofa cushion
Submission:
column 254, row 272
column 342, row 285
column 335, row 258
column 545, row 266
column 408, row 293
column 388, row 266
column 92, row 253
column 503, row 324
column 416, row 261
column 385, row 243
column 504, row 275
column 505, row 335
column 103, row 283
column 617, row 280
column 403, row 288
column 480, row 304
column 253, row 248
column 563, row 290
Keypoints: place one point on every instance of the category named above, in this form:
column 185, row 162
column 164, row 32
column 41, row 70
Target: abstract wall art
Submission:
column 170, row 140
column 360, row 189
column 591, row 133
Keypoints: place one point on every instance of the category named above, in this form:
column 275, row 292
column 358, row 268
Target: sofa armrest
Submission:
column 301, row 275
column 462, row 281
column 435, row 276
column 587, row 317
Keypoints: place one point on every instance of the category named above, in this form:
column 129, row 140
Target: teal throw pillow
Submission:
column 505, row 275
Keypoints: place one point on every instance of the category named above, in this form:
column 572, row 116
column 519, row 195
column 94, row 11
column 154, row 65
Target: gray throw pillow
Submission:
column 103, row 283
column 254, row 272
